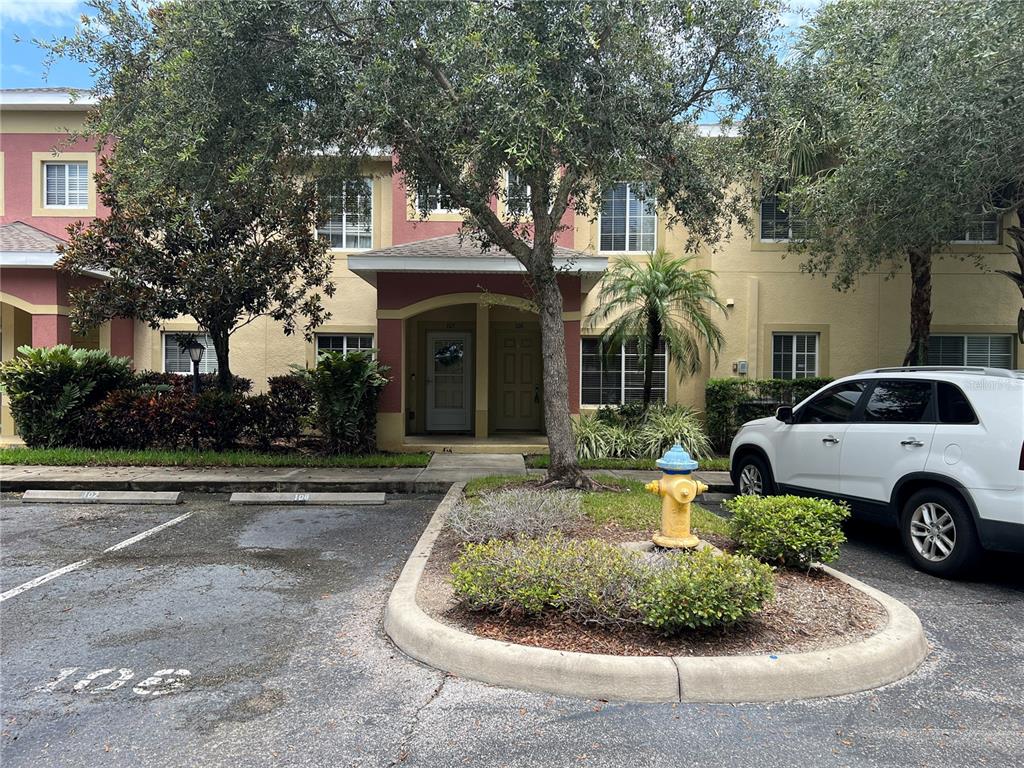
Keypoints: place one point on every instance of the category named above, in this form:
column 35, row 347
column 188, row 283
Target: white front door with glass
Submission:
column 449, row 381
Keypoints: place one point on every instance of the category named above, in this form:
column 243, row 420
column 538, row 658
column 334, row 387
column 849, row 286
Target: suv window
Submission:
column 834, row 406
column 901, row 402
column 954, row 407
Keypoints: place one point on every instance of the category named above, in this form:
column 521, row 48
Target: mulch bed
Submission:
column 811, row 611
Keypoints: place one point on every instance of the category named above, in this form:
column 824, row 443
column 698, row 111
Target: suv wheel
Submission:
column 753, row 477
column 938, row 532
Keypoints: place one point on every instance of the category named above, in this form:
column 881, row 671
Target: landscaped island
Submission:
column 577, row 572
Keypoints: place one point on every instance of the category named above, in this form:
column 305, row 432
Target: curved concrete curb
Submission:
column 894, row 652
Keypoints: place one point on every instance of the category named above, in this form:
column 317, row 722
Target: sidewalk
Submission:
column 443, row 470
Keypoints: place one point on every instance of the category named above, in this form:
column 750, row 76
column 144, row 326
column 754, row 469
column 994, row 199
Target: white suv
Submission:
column 938, row 451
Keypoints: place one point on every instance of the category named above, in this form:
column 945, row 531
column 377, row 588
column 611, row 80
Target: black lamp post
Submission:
column 195, row 354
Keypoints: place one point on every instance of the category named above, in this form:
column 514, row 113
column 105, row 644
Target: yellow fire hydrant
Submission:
column 677, row 488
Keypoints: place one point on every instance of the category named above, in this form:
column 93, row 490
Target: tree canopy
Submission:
column 898, row 125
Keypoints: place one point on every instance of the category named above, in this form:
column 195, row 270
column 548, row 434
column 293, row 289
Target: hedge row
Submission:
column 730, row 402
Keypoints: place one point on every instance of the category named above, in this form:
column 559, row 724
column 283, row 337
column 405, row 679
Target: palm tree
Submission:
column 660, row 300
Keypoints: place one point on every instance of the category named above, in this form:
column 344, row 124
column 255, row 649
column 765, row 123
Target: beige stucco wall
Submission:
column 260, row 349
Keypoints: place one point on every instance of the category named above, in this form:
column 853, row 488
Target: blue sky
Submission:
column 21, row 63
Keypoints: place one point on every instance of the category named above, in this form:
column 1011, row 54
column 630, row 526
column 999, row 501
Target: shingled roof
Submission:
column 454, row 254
column 19, row 237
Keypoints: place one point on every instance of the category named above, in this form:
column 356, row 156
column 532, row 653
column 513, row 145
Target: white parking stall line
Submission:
column 39, row 580
column 15, row 591
column 150, row 532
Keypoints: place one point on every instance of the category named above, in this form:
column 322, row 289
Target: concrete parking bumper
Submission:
column 890, row 654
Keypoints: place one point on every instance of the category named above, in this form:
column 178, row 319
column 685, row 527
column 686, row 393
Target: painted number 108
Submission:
column 109, row 679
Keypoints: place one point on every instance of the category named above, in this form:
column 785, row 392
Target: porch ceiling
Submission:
column 453, row 254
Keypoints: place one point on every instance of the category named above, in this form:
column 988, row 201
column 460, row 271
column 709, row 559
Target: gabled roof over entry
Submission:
column 22, row 245
column 454, row 254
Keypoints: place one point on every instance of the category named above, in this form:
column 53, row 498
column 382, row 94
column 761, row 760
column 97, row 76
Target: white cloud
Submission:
column 50, row 12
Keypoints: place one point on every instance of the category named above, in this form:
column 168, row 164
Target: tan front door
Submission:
column 517, row 394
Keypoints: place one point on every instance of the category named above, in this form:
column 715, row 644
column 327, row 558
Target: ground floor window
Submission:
column 343, row 342
column 176, row 359
column 794, row 355
column 988, row 350
column 615, row 376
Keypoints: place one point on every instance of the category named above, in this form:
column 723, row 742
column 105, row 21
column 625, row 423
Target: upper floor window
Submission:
column 777, row 224
column 430, row 198
column 615, row 376
column 343, row 342
column 981, row 228
column 350, row 225
column 176, row 359
column 628, row 219
column 66, row 185
column 517, row 194
column 794, row 355
column 987, row 350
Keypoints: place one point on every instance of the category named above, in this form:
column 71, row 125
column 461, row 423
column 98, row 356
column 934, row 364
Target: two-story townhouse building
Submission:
column 456, row 325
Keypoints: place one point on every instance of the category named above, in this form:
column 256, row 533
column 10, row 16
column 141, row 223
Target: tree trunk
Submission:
column 920, row 307
column 653, row 336
column 219, row 336
column 564, row 468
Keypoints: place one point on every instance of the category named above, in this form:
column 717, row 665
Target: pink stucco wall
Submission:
column 18, row 149
column 400, row 289
column 406, row 229
column 389, row 352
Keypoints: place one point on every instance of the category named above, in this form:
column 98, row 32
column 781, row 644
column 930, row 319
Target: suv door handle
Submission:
column 830, row 439
column 912, row 441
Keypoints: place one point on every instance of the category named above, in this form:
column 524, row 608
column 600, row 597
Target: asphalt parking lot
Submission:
column 252, row 637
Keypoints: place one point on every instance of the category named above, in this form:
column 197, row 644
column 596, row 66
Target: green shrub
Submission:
column 50, row 390
column 630, row 432
column 291, row 401
column 728, row 403
column 217, row 418
column 704, row 589
column 345, row 391
column 667, row 425
column 599, row 583
column 515, row 512
column 161, row 379
column 794, row 531
column 590, row 581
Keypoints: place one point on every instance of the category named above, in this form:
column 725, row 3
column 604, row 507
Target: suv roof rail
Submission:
column 976, row 369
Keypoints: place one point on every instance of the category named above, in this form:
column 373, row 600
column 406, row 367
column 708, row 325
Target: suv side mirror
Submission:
column 784, row 413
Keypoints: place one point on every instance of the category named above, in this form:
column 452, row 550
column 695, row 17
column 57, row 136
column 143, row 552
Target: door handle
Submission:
column 912, row 441
column 830, row 440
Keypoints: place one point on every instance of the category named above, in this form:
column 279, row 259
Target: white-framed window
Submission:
column 431, row 199
column 343, row 342
column 981, row 228
column 176, row 359
column 350, row 226
column 988, row 350
column 66, row 185
column 517, row 194
column 777, row 225
column 628, row 220
column 794, row 355
column 616, row 376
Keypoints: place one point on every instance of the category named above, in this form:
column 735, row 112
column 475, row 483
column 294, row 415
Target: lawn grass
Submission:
column 541, row 461
column 631, row 506
column 73, row 457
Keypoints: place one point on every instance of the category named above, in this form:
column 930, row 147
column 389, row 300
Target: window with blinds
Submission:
column 343, row 342
column 777, row 224
column 628, row 220
column 350, row 226
column 176, row 359
column 990, row 351
column 517, row 194
column 615, row 376
column 430, row 199
column 66, row 185
column 981, row 228
column 794, row 355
